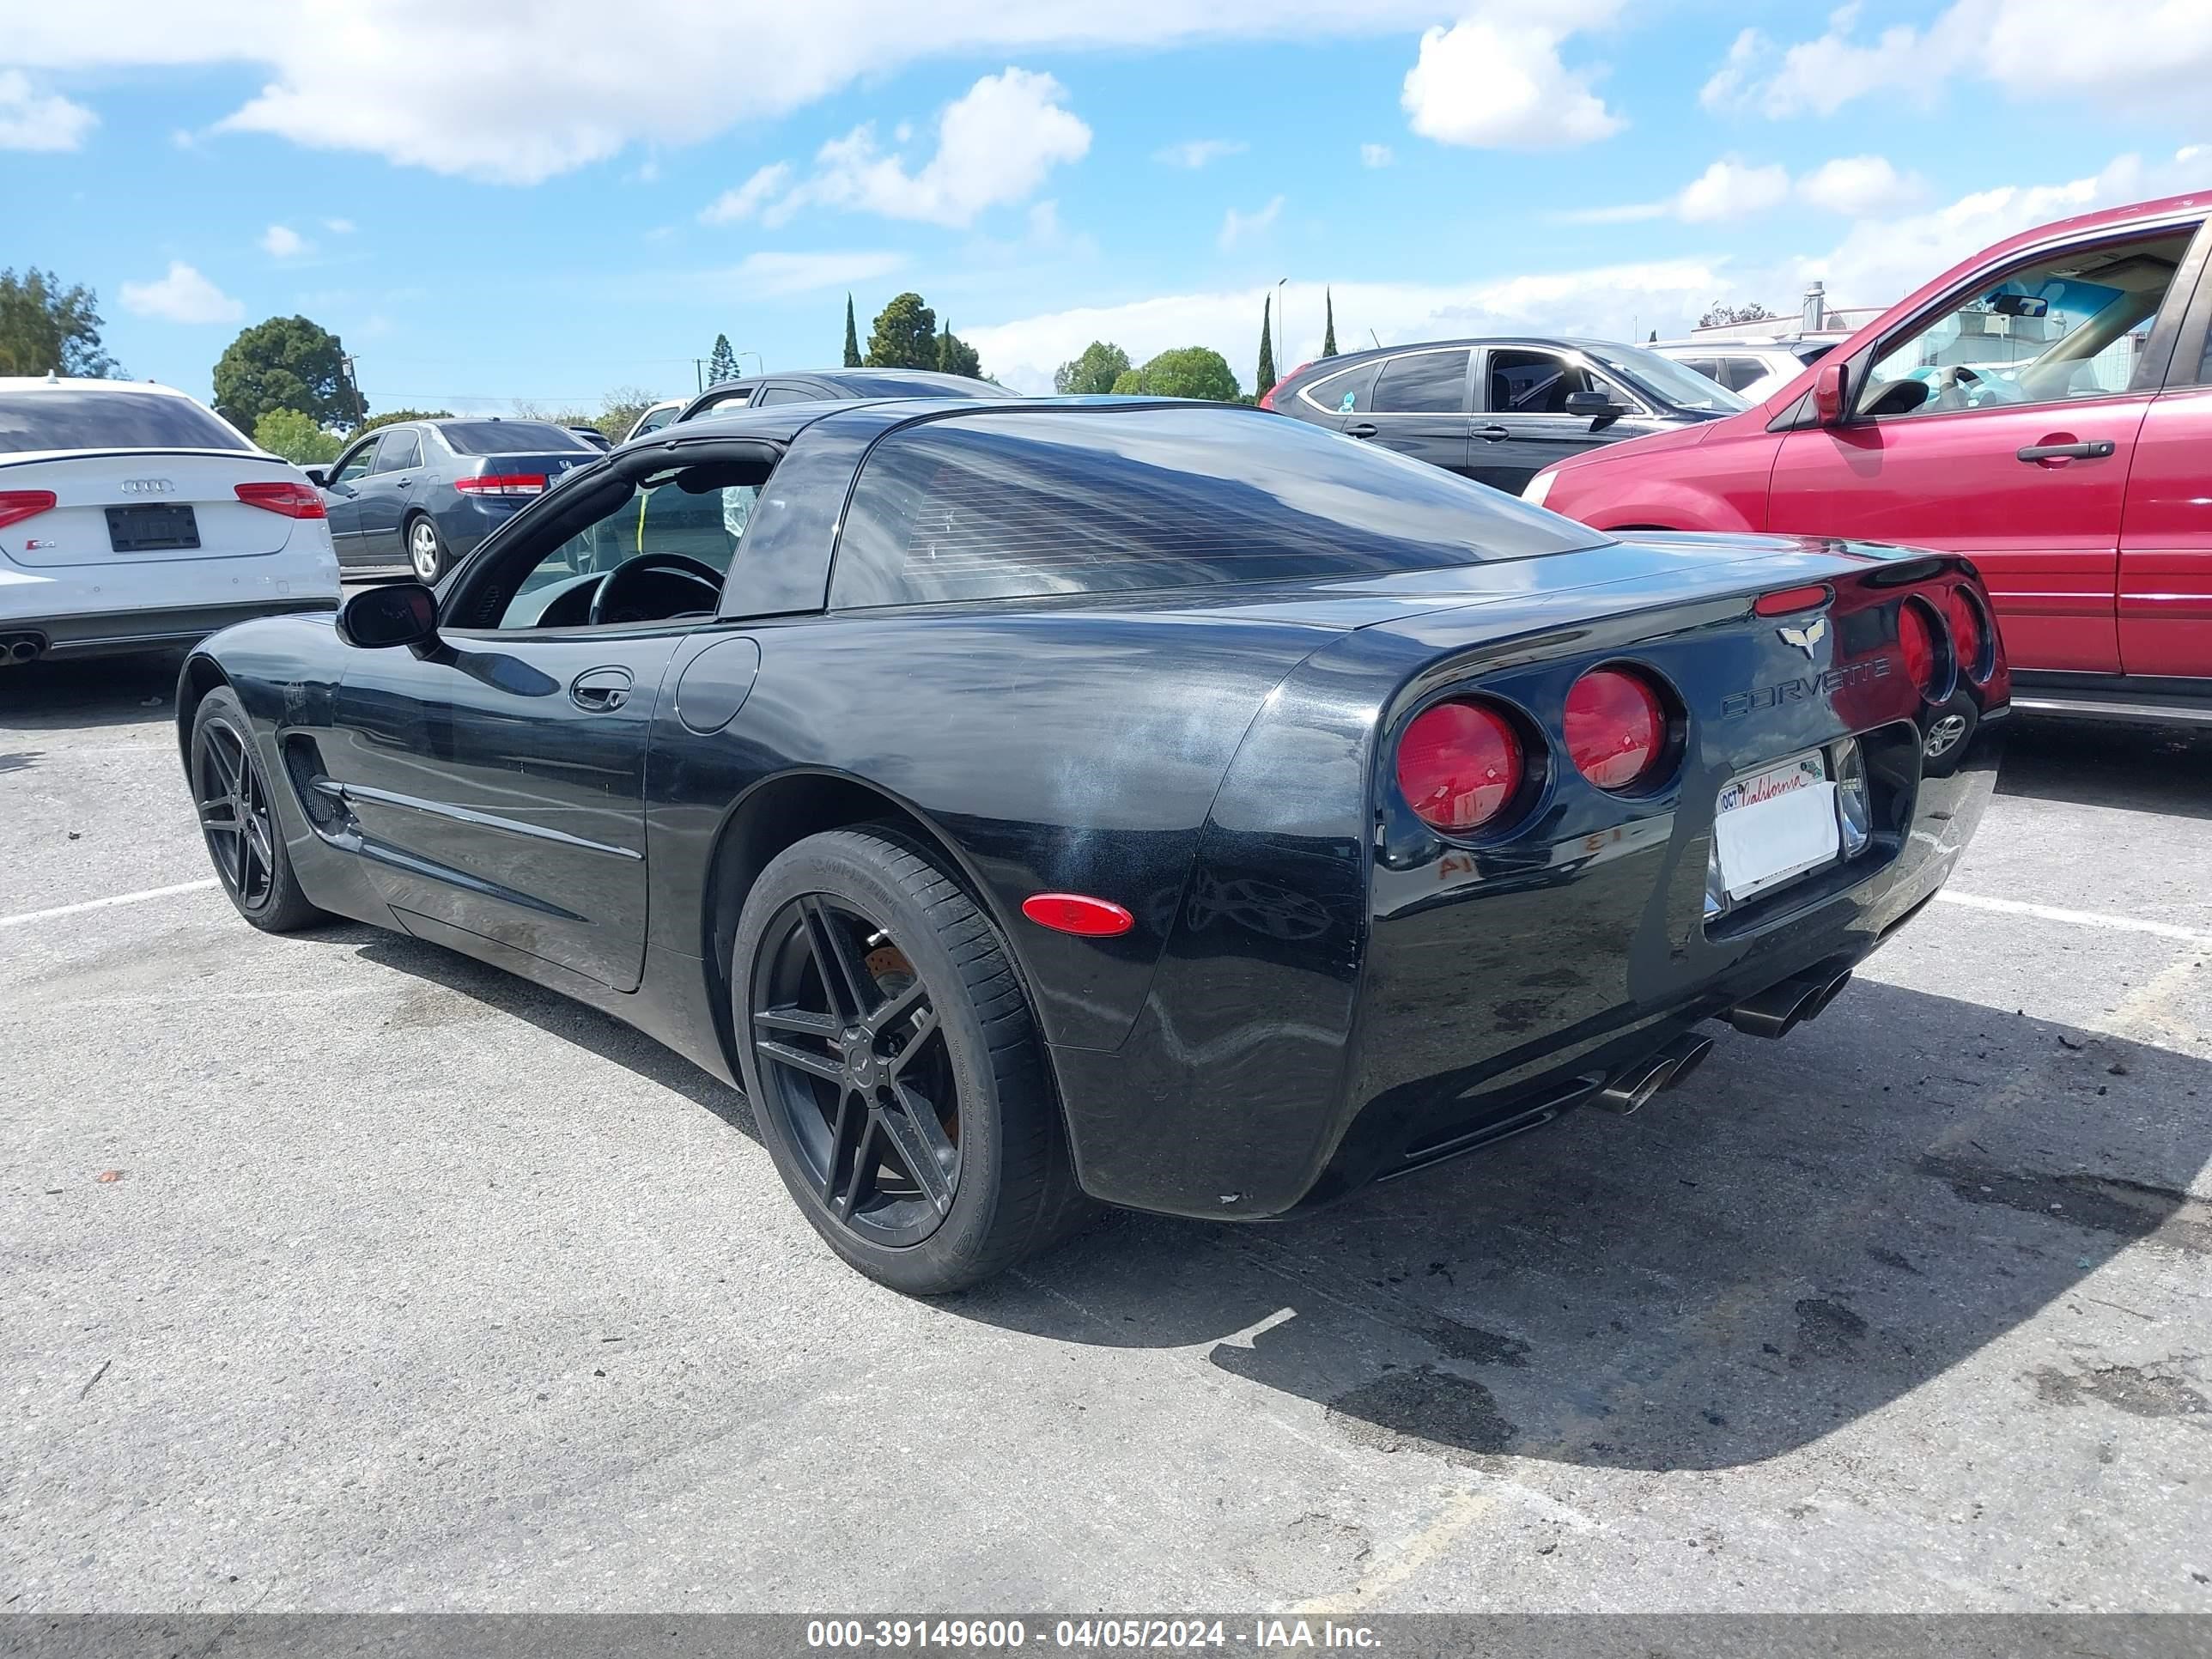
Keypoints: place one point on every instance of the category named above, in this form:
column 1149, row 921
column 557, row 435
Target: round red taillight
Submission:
column 1969, row 637
column 1460, row 765
column 1616, row 727
column 1917, row 640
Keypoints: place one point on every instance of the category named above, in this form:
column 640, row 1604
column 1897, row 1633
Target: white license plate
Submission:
column 1775, row 824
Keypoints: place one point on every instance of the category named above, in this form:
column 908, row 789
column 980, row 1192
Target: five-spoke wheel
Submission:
column 238, row 820
column 893, row 1066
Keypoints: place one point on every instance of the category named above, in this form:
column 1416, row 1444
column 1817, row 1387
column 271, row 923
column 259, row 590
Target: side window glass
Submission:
column 1737, row 372
column 399, row 451
column 1352, row 392
column 1535, row 383
column 2067, row 326
column 1423, row 383
column 355, row 464
column 654, row 420
column 677, row 532
column 1708, row 367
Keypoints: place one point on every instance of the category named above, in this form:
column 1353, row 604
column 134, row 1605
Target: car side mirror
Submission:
column 1829, row 387
column 318, row 478
column 397, row 613
column 1591, row 405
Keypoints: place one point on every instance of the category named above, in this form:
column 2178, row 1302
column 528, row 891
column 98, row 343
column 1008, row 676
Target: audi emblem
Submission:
column 148, row 487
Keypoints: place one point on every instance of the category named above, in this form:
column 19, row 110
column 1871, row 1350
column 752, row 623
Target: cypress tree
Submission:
column 1328, row 332
column 1266, row 378
column 852, row 336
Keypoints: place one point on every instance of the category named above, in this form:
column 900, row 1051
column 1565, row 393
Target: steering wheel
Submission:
column 614, row 586
column 1976, row 390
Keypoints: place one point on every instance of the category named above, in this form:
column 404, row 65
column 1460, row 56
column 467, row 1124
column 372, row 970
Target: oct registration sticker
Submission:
column 1775, row 824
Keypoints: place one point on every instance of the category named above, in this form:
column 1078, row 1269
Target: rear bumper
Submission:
column 1271, row 1080
column 91, row 634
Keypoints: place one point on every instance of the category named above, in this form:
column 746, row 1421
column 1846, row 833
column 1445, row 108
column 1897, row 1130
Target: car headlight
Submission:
column 1540, row 486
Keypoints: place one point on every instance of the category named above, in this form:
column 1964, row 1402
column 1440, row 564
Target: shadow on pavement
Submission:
column 2093, row 764
column 53, row 696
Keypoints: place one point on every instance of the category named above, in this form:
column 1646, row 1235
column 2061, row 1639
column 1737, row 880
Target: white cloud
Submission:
column 1374, row 156
column 1236, row 226
column 282, row 242
column 995, row 145
column 1195, row 153
column 405, row 79
column 1604, row 302
column 30, row 119
column 1861, row 185
column 1497, row 79
column 182, row 296
column 768, row 275
column 1731, row 189
column 748, row 198
column 2159, row 52
column 338, row 227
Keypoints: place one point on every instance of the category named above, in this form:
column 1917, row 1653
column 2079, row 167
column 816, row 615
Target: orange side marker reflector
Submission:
column 1077, row 913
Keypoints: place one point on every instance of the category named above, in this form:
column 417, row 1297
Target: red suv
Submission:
column 2044, row 408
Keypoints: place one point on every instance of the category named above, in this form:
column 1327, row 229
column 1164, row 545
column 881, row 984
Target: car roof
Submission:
column 781, row 422
column 1540, row 342
column 87, row 383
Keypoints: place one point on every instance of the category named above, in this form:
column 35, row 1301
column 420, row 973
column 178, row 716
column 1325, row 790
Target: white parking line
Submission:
column 29, row 916
column 2078, row 918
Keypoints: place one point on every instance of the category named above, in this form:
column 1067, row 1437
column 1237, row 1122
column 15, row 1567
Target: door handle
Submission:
column 601, row 690
column 2095, row 450
column 1492, row 434
column 1364, row 430
column 407, row 483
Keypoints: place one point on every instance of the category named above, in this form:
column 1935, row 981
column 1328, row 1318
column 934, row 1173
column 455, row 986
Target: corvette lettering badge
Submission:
column 1804, row 689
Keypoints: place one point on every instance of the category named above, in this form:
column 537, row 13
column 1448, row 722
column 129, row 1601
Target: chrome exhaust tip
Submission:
column 1828, row 994
column 1775, row 1011
column 1630, row 1088
column 1688, row 1052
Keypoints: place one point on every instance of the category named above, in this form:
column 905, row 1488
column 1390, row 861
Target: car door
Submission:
column 2165, row 600
column 1420, row 407
column 495, row 780
column 341, row 493
column 1522, row 425
column 2000, row 422
column 391, row 485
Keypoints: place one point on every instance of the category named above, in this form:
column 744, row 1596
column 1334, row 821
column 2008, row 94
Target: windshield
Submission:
column 76, row 417
column 1665, row 379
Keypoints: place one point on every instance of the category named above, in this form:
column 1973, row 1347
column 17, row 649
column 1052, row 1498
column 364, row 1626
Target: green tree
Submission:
column 1720, row 312
column 721, row 362
column 1100, row 364
column 955, row 356
column 1266, row 377
column 286, row 362
column 1184, row 372
column 47, row 329
column 852, row 336
column 1328, row 329
column 1129, row 383
column 904, row 335
column 620, row 407
column 399, row 415
column 289, row 433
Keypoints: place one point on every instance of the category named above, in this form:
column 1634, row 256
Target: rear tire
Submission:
column 426, row 549
column 238, row 822
column 893, row 1066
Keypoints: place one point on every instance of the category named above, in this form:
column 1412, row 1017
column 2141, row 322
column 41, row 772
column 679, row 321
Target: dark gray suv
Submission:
column 1499, row 411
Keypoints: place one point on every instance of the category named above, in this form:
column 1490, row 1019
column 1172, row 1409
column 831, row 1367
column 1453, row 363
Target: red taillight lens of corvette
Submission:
column 294, row 500
column 1268, row 397
column 1971, row 633
column 1924, row 643
column 502, row 484
column 1460, row 765
column 17, row 505
column 1616, row 728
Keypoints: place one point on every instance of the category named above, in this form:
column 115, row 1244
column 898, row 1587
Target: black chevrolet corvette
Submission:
column 1038, row 804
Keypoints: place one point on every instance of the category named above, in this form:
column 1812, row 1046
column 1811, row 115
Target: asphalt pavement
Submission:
column 339, row 1272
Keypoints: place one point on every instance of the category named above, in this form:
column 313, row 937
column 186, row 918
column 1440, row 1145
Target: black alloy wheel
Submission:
column 239, row 821
column 853, row 1060
column 894, row 1068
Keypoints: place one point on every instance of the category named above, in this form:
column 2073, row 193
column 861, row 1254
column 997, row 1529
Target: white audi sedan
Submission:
column 131, row 519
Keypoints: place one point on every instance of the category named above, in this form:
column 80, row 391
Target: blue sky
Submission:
column 489, row 208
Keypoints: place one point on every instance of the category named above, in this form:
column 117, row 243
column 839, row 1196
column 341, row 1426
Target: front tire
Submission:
column 426, row 549
column 238, row 819
column 893, row 1066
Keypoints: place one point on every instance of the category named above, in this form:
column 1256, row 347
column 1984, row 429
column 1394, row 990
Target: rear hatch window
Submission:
column 507, row 437
column 76, row 417
column 1009, row 504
